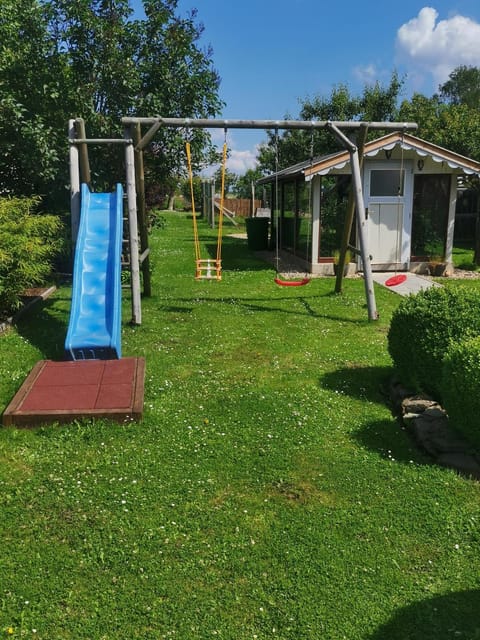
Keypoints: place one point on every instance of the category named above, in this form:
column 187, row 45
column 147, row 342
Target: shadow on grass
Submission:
column 391, row 441
column 365, row 383
column 235, row 255
column 266, row 305
column 454, row 615
column 45, row 327
column 385, row 437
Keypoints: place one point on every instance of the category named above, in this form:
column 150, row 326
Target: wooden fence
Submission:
column 242, row 207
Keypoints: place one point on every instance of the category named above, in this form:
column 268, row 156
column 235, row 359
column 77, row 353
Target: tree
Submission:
column 376, row 103
column 93, row 60
column 425, row 112
column 243, row 186
column 454, row 126
column 33, row 102
column 230, row 180
column 462, row 87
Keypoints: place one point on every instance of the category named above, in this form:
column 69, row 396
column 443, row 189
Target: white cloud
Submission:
column 367, row 74
column 434, row 48
column 239, row 160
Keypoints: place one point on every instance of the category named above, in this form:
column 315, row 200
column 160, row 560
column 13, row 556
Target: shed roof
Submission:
column 334, row 161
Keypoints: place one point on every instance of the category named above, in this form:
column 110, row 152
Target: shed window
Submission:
column 386, row 182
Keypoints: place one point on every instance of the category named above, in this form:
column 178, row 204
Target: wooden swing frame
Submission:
column 137, row 143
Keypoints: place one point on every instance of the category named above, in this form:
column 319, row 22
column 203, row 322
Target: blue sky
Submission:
column 271, row 53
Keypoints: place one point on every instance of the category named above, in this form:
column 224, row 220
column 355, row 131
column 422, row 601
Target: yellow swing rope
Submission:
column 207, row 269
column 192, row 197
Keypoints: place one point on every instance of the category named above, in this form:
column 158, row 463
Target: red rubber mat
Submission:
column 65, row 391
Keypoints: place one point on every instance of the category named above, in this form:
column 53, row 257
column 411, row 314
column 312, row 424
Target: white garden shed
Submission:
column 409, row 191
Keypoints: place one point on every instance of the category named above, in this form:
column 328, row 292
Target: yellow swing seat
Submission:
column 208, row 269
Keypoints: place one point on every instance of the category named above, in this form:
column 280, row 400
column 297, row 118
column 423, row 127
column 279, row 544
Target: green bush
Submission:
column 28, row 243
column 422, row 328
column 460, row 385
column 156, row 219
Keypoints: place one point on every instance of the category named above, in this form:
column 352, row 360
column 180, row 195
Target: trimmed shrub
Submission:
column 422, row 328
column 28, row 244
column 460, row 386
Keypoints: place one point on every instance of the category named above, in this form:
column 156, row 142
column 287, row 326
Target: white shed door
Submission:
column 387, row 188
column 384, row 232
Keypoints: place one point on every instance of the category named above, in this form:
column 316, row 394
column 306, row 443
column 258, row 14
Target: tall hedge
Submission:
column 460, row 388
column 422, row 329
column 28, row 244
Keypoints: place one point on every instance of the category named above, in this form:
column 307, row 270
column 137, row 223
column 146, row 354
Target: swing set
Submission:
column 208, row 268
column 211, row 269
column 134, row 143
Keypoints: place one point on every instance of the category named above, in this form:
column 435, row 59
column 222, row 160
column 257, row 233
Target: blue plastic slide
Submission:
column 94, row 330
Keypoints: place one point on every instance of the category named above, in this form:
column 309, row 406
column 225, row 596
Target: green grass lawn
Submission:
column 463, row 258
column 268, row 492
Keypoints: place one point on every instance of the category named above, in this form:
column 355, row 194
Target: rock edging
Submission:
column 428, row 424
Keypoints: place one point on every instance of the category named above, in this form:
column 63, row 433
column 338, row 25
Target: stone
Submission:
column 435, row 436
column 411, row 416
column 428, row 423
column 435, row 412
column 417, row 404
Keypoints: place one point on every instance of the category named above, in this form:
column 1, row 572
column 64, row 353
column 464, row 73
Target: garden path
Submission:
column 412, row 284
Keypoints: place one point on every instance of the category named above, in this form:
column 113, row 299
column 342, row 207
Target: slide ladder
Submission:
column 94, row 330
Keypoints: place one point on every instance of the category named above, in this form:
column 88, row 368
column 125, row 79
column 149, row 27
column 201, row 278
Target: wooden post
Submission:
column 133, row 230
column 84, row 162
column 362, row 235
column 451, row 221
column 142, row 213
column 211, row 123
column 347, row 227
column 204, row 198
column 212, row 209
column 74, row 182
column 361, row 219
column 316, row 199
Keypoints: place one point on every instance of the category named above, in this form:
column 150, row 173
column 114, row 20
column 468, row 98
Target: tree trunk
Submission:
column 171, row 201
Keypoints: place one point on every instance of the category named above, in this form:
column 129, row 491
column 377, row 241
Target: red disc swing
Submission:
column 291, row 283
column 395, row 280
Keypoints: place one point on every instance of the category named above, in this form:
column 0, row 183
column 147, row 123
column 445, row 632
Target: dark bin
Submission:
column 257, row 233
